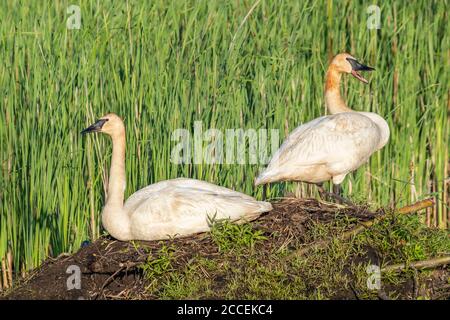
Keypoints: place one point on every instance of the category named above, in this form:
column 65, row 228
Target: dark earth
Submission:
column 110, row 268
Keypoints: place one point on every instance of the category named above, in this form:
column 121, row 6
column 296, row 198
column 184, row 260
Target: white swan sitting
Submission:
column 172, row 208
column 329, row 147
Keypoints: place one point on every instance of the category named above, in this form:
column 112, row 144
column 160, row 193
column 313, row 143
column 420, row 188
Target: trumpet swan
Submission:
column 329, row 147
column 172, row 208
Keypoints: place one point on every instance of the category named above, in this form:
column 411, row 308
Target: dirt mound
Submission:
column 110, row 269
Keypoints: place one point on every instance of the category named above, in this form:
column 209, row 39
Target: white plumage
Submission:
column 186, row 206
column 327, row 148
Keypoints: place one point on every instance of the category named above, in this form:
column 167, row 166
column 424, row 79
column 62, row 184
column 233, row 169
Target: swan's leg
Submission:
column 337, row 189
column 324, row 195
column 322, row 192
column 335, row 195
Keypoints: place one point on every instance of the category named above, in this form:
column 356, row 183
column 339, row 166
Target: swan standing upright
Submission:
column 329, row 147
column 171, row 208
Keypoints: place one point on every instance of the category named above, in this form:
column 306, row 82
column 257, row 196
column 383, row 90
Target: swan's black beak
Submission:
column 96, row 127
column 356, row 66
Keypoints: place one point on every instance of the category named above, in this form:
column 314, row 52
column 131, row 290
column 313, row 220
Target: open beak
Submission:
column 356, row 66
column 96, row 127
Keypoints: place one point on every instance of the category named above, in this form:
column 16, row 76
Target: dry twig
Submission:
column 424, row 264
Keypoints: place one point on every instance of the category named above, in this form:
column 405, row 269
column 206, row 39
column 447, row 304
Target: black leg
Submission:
column 322, row 192
column 335, row 195
column 337, row 189
column 264, row 192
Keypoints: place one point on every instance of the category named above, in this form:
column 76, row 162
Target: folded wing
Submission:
column 185, row 206
column 341, row 142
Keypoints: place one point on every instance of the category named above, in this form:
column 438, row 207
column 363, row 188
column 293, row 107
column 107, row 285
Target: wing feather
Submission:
column 186, row 206
column 340, row 140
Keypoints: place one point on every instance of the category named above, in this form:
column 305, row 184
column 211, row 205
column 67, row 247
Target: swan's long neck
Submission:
column 114, row 218
column 116, row 185
column 333, row 99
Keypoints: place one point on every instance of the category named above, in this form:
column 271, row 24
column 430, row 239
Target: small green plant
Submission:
column 156, row 266
column 229, row 236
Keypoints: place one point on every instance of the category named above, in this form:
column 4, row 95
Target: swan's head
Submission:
column 110, row 124
column 346, row 63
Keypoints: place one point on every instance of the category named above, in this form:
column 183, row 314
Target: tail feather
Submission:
column 264, row 206
column 263, row 178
